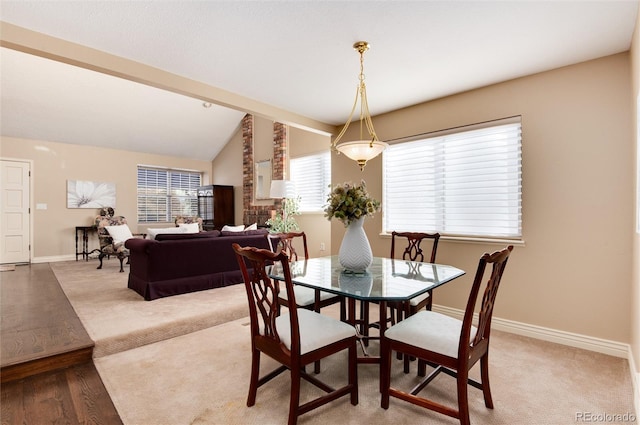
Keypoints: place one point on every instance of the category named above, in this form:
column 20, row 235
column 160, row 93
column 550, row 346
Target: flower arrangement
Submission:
column 284, row 221
column 348, row 202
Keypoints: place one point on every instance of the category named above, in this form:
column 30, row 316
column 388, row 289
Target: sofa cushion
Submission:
column 179, row 236
column 245, row 232
column 152, row 232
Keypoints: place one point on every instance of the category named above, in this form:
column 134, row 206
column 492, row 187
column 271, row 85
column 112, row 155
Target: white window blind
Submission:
column 164, row 194
column 467, row 183
column 312, row 177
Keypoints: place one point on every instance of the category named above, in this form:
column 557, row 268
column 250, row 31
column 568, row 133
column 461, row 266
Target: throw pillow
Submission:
column 239, row 228
column 190, row 227
column 120, row 233
column 152, row 233
column 254, row 226
column 245, row 233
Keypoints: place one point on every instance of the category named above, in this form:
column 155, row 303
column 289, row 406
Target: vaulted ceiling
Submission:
column 295, row 56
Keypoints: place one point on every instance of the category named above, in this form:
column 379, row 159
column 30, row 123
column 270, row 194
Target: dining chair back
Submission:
column 413, row 250
column 295, row 338
column 286, row 242
column 447, row 344
column 305, row 297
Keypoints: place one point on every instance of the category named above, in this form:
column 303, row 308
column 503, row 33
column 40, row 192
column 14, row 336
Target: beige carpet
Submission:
column 201, row 377
column 118, row 319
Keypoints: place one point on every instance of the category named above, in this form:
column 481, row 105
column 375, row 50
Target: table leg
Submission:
column 383, row 328
column 77, row 244
column 85, row 244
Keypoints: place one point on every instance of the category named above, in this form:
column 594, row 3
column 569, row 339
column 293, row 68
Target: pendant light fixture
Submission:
column 361, row 150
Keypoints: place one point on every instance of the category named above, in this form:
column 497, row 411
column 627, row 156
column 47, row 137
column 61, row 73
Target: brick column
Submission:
column 247, row 164
column 260, row 213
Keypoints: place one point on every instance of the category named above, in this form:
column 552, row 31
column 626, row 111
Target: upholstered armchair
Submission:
column 186, row 220
column 112, row 234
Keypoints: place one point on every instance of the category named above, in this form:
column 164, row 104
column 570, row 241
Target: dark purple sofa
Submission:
column 180, row 263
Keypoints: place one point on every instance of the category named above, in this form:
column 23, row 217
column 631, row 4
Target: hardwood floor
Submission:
column 47, row 371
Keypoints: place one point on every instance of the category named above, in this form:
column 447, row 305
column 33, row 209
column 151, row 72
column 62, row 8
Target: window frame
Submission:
column 169, row 197
column 483, row 238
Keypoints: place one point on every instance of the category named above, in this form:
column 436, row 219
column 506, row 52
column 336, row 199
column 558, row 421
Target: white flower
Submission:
column 86, row 194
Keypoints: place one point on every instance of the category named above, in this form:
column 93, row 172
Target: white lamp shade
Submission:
column 282, row 189
column 362, row 150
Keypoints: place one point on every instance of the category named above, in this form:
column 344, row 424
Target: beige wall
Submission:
column 574, row 271
column 227, row 170
column 635, row 282
column 55, row 163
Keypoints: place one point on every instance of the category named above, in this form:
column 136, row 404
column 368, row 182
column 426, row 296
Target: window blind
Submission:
column 464, row 183
column 164, row 194
column 312, row 177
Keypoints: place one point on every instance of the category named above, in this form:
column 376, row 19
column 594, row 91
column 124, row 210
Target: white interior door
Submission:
column 14, row 212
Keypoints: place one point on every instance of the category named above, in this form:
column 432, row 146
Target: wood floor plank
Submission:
column 37, row 319
column 47, row 375
column 91, row 400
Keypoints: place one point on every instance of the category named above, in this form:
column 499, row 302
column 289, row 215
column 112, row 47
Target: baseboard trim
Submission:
column 53, row 259
column 635, row 381
column 585, row 342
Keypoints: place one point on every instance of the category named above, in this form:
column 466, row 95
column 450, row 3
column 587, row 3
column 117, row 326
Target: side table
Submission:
column 85, row 230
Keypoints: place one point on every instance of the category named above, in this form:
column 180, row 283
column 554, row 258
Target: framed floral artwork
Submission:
column 88, row 194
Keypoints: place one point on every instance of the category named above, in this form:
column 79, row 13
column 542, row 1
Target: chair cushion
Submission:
column 430, row 331
column 316, row 330
column 306, row 296
column 417, row 300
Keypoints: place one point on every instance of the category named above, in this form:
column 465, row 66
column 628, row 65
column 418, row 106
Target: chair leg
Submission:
column 100, row 257
column 484, row 373
column 295, row 396
column 353, row 372
column 385, row 372
column 121, row 264
column 422, row 368
column 253, row 383
column 463, row 399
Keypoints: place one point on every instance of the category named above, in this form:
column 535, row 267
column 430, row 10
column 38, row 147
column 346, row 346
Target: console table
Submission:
column 85, row 230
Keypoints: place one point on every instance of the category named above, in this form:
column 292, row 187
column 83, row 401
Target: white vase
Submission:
column 355, row 252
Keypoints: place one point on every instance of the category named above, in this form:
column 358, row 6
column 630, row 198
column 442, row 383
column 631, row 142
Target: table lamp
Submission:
column 283, row 189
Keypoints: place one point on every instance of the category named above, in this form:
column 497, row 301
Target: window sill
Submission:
column 474, row 240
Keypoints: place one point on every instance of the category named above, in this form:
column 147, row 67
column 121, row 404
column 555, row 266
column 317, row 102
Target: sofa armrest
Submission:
column 138, row 244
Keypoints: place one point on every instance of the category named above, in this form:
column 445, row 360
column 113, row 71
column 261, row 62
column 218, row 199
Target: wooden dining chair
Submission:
column 413, row 251
column 295, row 338
column 447, row 344
column 305, row 297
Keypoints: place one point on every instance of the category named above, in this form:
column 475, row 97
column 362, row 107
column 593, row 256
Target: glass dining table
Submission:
column 386, row 280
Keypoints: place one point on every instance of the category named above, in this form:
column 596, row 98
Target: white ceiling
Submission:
column 296, row 56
